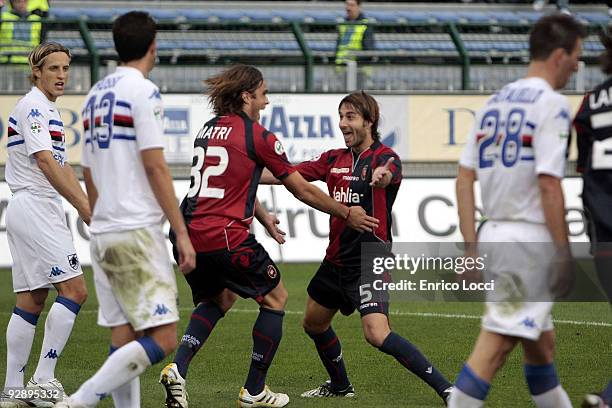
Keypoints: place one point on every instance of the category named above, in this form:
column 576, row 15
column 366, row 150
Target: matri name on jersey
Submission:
column 214, row 132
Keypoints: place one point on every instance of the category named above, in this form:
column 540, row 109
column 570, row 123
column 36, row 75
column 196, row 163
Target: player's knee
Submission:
column 78, row 294
column 226, row 300
column 374, row 337
column 311, row 326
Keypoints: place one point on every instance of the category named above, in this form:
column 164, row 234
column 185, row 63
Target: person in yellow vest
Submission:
column 20, row 32
column 353, row 35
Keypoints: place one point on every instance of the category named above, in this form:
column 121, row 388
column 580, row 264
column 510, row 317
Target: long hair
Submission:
column 225, row 90
column 39, row 55
column 367, row 107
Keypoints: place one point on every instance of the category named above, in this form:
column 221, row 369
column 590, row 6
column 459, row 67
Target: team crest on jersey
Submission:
column 35, row 128
column 272, row 272
column 73, row 261
column 278, row 148
column 364, row 173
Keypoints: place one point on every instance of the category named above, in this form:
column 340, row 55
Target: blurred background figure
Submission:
column 354, row 34
column 562, row 5
column 20, row 31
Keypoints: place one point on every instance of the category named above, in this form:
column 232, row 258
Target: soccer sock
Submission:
column 544, row 386
column 606, row 395
column 267, row 333
column 19, row 337
column 126, row 395
column 203, row 320
column 120, row 368
column 330, row 351
column 411, row 358
column 470, row 390
column 58, row 326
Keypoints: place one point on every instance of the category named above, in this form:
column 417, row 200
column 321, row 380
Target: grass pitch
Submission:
column 445, row 332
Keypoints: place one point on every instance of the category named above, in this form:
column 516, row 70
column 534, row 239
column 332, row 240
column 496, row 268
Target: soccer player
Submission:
column 230, row 152
column 517, row 151
column 369, row 174
column 40, row 242
column 130, row 191
column 593, row 125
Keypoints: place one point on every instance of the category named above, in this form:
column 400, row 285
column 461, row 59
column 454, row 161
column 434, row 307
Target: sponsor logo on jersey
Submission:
column 272, row 272
column 364, row 173
column 73, row 261
column 34, row 113
column 339, row 170
column 278, row 148
column 350, row 178
column 367, row 305
column 35, row 127
column 346, row 195
column 155, row 94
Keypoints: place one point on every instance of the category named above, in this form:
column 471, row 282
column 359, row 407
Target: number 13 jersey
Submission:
column 230, row 153
column 520, row 133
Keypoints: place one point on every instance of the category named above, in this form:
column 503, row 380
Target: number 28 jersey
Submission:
column 520, row 133
column 230, row 153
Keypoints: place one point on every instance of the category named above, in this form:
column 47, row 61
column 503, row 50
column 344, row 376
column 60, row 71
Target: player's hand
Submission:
column 360, row 221
column 381, row 176
column 271, row 224
column 187, row 255
column 563, row 272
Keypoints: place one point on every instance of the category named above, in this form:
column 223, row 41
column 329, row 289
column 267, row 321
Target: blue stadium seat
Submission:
column 101, row 14
column 384, row 16
column 594, row 17
column 65, row 13
column 447, row 16
column 529, row 16
column 322, row 45
column 323, row 16
column 226, row 15
column 165, row 14
column 258, row 15
column 290, row 15
column 196, row 14
column 476, row 17
column 502, row 16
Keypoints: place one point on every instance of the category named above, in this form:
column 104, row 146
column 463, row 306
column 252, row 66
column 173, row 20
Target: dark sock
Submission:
column 330, row 351
column 267, row 333
column 203, row 319
column 606, row 395
column 410, row 357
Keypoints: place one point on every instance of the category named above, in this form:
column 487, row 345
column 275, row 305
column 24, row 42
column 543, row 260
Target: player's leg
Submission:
column 474, row 380
column 541, row 374
column 127, row 395
column 72, row 294
column 378, row 333
column 20, row 334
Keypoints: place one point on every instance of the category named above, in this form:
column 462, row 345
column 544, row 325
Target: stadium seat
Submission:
column 166, row 14
column 66, row 13
column 416, row 17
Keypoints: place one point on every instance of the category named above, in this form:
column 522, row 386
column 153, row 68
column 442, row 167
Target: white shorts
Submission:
column 519, row 255
column 134, row 278
column 40, row 242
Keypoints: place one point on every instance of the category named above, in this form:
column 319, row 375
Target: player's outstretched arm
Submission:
column 161, row 184
column 65, row 182
column 268, row 178
column 466, row 206
column 270, row 222
column 355, row 217
column 381, row 177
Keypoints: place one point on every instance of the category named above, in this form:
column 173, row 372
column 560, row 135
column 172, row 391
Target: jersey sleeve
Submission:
column 34, row 127
column 550, row 140
column 584, row 135
column 317, row 168
column 148, row 112
column 469, row 155
column 271, row 153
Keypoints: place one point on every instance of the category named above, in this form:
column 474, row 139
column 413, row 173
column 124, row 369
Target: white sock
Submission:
column 120, row 368
column 127, row 395
column 555, row 398
column 19, row 338
column 58, row 327
column 459, row 399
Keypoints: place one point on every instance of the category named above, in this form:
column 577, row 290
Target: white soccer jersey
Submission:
column 35, row 125
column 122, row 116
column 521, row 132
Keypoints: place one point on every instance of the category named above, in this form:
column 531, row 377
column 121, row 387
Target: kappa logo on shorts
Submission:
column 272, row 272
column 56, row 271
column 242, row 258
column 73, row 261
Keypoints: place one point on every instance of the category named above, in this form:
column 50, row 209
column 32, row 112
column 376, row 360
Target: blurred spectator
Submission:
column 354, row 34
column 20, row 31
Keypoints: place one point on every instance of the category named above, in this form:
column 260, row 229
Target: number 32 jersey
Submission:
column 122, row 116
column 230, row 153
column 520, row 133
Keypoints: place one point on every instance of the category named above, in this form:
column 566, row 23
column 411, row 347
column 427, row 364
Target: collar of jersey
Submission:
column 129, row 70
column 37, row 93
column 372, row 147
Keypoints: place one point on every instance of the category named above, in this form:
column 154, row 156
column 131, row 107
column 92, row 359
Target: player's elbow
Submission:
column 549, row 185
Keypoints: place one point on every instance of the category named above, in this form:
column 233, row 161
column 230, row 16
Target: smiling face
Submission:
column 357, row 132
column 254, row 102
column 52, row 76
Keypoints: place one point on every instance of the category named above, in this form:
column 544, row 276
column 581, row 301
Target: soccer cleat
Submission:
column 8, row 402
column 326, row 390
column 46, row 394
column 266, row 398
column 174, row 384
column 446, row 394
column 593, row 401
